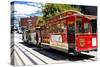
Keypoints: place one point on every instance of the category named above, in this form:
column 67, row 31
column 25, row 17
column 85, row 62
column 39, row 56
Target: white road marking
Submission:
column 43, row 57
column 18, row 61
column 25, row 59
column 92, row 53
column 33, row 57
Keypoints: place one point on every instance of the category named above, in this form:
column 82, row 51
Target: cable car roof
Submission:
column 70, row 13
column 91, row 17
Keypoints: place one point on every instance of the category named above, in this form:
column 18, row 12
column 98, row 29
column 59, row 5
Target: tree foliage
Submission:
column 40, row 21
column 54, row 9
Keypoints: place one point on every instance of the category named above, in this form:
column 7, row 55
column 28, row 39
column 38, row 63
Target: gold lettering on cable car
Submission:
column 82, row 44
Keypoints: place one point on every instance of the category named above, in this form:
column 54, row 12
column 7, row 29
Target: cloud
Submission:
column 23, row 8
column 21, row 15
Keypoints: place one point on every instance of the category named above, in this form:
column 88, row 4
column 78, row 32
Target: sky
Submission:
column 27, row 8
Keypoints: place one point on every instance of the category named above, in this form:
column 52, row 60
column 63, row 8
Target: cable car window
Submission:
column 94, row 26
column 58, row 27
column 71, row 28
column 79, row 23
column 63, row 26
column 54, row 28
column 50, row 29
column 86, row 27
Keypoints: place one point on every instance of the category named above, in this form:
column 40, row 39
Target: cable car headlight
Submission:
column 93, row 41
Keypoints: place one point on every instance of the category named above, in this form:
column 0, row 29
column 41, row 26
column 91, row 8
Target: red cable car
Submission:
column 71, row 31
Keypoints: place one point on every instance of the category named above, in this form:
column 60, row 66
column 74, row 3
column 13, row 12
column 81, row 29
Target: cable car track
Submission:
column 32, row 54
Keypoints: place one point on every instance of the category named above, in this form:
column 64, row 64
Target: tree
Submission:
column 40, row 21
column 54, row 9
